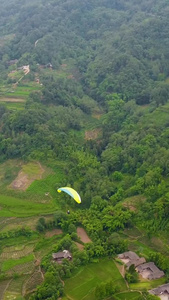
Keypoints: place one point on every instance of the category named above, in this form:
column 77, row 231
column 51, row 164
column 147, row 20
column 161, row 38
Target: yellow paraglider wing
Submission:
column 70, row 192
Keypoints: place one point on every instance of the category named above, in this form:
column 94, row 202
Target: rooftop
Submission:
column 128, row 255
column 61, row 255
column 162, row 289
column 131, row 258
column 150, row 271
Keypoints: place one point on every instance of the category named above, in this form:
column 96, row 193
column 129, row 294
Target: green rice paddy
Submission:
column 15, row 207
column 82, row 284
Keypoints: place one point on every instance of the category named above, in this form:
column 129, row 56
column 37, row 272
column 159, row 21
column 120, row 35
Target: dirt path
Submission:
column 40, row 270
column 83, row 235
column 121, row 269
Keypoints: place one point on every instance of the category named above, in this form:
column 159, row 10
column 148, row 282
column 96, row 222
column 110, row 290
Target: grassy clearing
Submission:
column 134, row 232
column 12, row 224
column 128, row 296
column 16, row 74
column 47, row 185
column 14, row 207
column 82, row 285
column 64, row 71
column 10, row 263
column 32, row 169
column 91, row 122
column 28, row 173
column 155, row 243
column 132, row 202
column 45, row 245
column 159, row 117
column 143, row 245
column 139, row 247
column 147, row 284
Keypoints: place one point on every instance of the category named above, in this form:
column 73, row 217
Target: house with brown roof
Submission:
column 149, row 271
column 162, row 291
column 131, row 258
column 59, row 256
column 12, row 62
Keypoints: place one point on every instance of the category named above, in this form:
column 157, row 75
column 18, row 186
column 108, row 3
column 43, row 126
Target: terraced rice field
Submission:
column 33, row 281
column 13, row 252
column 3, row 287
column 16, row 285
column 26, row 268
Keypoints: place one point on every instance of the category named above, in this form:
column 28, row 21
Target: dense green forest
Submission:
column 93, row 110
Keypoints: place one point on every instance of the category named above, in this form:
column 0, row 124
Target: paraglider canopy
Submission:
column 70, row 192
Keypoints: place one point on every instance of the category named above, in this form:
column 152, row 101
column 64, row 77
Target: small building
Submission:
column 131, row 258
column 12, row 62
column 149, row 271
column 49, row 65
column 59, row 256
column 162, row 291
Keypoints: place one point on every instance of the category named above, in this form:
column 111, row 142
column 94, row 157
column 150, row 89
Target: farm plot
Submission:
column 8, row 224
column 12, row 296
column 83, row 235
column 26, row 268
column 13, row 264
column 147, row 284
column 13, row 105
column 128, row 296
column 22, row 91
column 33, row 281
column 53, row 232
column 4, row 221
column 16, row 223
column 16, row 285
column 14, row 100
column 3, row 286
column 14, row 207
column 29, row 172
column 15, row 252
column 82, row 285
column 48, row 186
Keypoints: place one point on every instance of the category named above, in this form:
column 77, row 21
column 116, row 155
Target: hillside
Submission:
column 84, row 90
